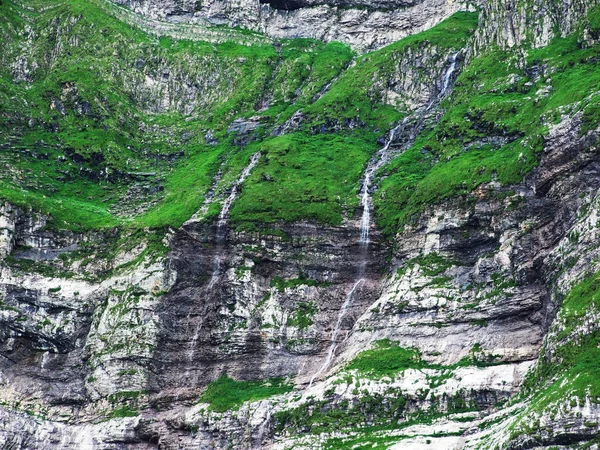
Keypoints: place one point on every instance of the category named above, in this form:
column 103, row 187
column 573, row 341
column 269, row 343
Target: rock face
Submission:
column 363, row 24
column 156, row 334
column 499, row 259
column 243, row 323
column 368, row 25
column 508, row 24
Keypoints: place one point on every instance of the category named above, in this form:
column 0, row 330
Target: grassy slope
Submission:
column 78, row 163
column 226, row 394
column 60, row 161
column 78, row 166
column 316, row 176
column 494, row 97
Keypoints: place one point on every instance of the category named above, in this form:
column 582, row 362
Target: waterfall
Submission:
column 327, row 87
column 333, row 341
column 381, row 158
column 234, row 190
column 45, row 358
column 208, row 198
column 447, row 78
column 220, row 240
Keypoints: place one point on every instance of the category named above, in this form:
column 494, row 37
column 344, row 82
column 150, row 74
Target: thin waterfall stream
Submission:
column 447, row 78
column 381, row 158
column 333, row 341
column 221, row 234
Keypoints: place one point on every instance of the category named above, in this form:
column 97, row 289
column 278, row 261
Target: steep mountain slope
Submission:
column 218, row 237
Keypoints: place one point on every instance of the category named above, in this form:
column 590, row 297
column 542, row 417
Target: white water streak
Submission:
column 447, row 79
column 333, row 341
column 220, row 236
column 234, row 190
column 381, row 158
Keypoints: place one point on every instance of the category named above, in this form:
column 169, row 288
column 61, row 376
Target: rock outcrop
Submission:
column 365, row 25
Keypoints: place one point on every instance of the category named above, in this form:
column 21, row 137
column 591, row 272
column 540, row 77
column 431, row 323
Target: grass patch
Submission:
column 304, row 177
column 282, row 284
column 386, row 358
column 302, row 316
column 225, row 394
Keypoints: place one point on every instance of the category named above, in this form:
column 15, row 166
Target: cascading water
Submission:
column 234, row 191
column 327, row 87
column 221, row 234
column 333, row 341
column 447, row 78
column 208, row 199
column 381, row 158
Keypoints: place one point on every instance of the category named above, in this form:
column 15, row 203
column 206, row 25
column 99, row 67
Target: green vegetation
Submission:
column 90, row 137
column 84, row 130
column 123, row 403
column 282, row 284
column 302, row 317
column 386, row 358
column 493, row 126
column 432, row 264
column 384, row 409
column 87, row 139
column 83, row 177
column 226, row 394
column 304, row 177
column 352, row 96
column 123, row 411
column 365, row 414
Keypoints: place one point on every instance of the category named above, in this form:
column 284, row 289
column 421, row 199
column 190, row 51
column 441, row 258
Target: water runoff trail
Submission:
column 221, row 235
column 381, row 158
column 374, row 165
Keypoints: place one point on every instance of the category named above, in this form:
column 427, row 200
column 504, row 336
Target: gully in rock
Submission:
column 333, row 341
column 221, row 234
column 210, row 196
column 447, row 79
column 381, row 158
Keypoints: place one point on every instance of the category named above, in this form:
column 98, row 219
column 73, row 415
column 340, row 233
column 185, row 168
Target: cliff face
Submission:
column 373, row 24
column 151, row 337
column 261, row 244
column 536, row 22
column 364, row 25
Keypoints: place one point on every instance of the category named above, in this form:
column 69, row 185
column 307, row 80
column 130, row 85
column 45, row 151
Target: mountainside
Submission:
column 299, row 224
